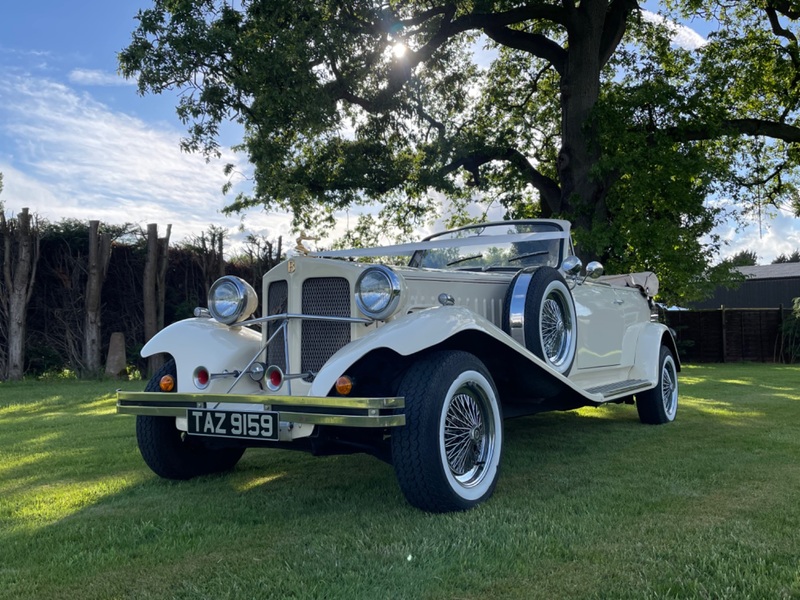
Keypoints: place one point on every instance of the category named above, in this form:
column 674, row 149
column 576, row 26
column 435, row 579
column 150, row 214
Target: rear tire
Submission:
column 660, row 404
column 169, row 452
column 447, row 455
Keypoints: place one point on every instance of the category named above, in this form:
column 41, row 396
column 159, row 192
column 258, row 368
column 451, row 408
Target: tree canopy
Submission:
column 793, row 257
column 744, row 258
column 585, row 110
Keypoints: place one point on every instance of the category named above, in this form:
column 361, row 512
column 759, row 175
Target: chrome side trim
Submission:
column 516, row 309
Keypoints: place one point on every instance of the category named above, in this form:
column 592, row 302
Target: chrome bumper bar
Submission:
column 339, row 411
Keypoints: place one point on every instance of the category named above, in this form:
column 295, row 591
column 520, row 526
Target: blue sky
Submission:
column 77, row 141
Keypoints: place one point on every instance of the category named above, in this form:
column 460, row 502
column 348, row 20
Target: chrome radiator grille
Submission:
column 328, row 296
column 324, row 296
column 277, row 302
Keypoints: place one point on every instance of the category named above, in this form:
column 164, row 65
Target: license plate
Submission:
column 233, row 424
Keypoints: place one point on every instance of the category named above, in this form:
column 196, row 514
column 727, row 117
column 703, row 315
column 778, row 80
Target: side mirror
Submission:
column 594, row 269
column 572, row 265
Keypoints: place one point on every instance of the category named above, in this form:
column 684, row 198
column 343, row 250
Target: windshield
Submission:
column 499, row 246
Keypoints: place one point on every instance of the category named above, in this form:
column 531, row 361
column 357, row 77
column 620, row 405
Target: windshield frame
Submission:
column 492, row 230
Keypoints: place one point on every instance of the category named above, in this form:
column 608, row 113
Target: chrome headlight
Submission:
column 378, row 292
column 231, row 300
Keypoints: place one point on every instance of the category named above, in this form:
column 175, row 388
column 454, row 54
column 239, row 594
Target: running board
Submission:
column 620, row 387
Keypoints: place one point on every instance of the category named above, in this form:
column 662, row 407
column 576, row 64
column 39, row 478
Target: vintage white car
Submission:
column 417, row 365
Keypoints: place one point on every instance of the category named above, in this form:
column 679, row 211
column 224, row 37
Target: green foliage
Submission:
column 42, row 358
column 744, row 258
column 790, row 258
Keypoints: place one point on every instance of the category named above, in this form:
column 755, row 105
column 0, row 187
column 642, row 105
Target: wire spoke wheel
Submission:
column 660, row 404
column 447, row 455
column 467, row 439
column 555, row 332
column 669, row 387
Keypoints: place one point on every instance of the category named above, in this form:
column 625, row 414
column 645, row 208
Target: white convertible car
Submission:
column 417, row 365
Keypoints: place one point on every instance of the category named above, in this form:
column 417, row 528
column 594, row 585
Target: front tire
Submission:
column 447, row 455
column 660, row 404
column 169, row 452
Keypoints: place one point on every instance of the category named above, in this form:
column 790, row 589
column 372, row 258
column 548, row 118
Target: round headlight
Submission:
column 231, row 300
column 378, row 292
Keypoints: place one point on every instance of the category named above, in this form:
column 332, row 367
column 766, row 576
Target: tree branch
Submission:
column 777, row 28
column 549, row 190
column 533, row 43
column 771, row 129
column 785, row 8
column 614, row 27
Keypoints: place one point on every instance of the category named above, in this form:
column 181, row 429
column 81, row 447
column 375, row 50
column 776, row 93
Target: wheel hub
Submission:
column 475, row 434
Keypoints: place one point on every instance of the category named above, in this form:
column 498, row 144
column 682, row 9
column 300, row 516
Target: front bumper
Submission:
column 336, row 411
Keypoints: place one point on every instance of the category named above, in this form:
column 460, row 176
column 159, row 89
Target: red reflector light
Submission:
column 274, row 378
column 167, row 383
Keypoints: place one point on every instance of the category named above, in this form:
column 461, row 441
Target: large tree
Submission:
column 586, row 111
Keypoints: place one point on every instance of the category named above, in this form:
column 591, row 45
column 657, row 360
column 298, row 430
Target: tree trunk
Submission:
column 155, row 271
column 99, row 255
column 20, row 258
column 580, row 90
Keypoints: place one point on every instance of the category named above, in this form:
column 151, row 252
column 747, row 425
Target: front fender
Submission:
column 207, row 343
column 419, row 331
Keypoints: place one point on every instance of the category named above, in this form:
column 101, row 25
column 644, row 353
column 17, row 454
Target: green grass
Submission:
column 590, row 504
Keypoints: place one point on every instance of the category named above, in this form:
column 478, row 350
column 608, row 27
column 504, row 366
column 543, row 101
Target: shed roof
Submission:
column 778, row 271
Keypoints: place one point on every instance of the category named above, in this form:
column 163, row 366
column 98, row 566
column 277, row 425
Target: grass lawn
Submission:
column 590, row 504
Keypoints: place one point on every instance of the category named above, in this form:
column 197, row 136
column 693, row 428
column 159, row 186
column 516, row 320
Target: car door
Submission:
column 601, row 325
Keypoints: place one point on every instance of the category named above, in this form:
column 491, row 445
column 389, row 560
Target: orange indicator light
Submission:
column 167, row 383
column 344, row 385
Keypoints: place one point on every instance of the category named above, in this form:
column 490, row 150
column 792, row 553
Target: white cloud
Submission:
column 682, row 36
column 65, row 155
column 98, row 78
column 779, row 233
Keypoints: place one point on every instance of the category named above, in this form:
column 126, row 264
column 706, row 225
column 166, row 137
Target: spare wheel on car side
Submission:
column 539, row 313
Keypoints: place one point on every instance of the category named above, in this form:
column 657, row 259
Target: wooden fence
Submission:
column 730, row 334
